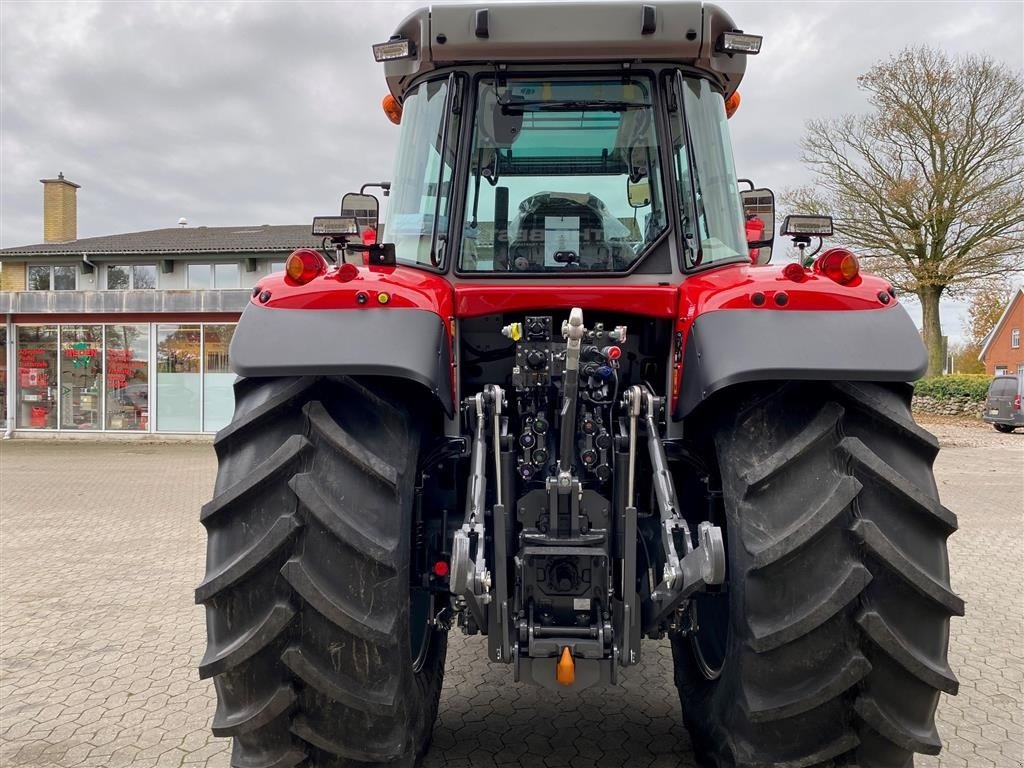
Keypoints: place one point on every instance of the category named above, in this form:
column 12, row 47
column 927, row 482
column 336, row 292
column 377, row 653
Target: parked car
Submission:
column 1002, row 406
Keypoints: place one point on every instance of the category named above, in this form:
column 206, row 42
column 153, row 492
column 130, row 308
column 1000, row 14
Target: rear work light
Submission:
column 395, row 48
column 838, row 264
column 737, row 42
column 303, row 265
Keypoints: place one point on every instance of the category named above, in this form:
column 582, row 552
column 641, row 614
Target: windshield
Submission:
column 564, row 176
column 421, row 186
column 712, row 213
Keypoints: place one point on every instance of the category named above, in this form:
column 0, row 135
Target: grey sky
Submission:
column 265, row 113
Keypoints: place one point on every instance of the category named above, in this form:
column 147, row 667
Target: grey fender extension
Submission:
column 397, row 342
column 733, row 346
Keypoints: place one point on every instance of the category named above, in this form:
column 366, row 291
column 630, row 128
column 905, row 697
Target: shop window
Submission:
column 3, row 377
column 135, row 277
column 62, row 277
column 37, row 377
column 219, row 276
column 126, row 374
column 178, row 378
column 81, row 376
column 218, row 380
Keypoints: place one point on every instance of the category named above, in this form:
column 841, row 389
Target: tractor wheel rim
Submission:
column 711, row 638
column 709, row 671
column 419, row 628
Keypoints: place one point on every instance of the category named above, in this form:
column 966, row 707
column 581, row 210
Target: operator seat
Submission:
column 526, row 253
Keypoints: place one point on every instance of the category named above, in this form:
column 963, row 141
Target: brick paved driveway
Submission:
column 100, row 547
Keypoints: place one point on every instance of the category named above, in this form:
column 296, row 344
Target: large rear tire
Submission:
column 318, row 649
column 832, row 648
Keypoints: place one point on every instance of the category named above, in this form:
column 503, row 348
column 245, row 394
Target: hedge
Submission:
column 973, row 386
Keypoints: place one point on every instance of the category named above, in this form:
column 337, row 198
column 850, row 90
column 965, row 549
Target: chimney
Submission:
column 60, row 210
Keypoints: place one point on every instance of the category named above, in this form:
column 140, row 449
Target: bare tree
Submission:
column 986, row 308
column 930, row 184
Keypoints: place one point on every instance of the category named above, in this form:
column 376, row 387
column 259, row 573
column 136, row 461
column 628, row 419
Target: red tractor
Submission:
column 553, row 402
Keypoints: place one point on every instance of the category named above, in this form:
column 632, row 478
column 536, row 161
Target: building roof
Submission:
column 250, row 239
column 998, row 326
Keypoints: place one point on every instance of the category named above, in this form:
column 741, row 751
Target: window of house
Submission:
column 135, row 277
column 48, row 277
column 1002, row 370
column 1015, row 338
column 277, row 266
column 219, row 276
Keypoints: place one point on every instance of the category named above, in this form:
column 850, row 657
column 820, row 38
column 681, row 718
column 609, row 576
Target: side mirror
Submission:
column 638, row 193
column 759, row 222
column 365, row 209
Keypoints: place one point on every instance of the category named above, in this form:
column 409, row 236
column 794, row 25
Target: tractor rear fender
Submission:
column 734, row 346
column 399, row 342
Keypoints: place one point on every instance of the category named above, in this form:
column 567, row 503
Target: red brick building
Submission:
column 1002, row 352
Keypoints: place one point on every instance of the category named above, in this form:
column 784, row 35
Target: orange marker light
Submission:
column 838, row 264
column 392, row 109
column 565, row 670
column 732, row 104
column 303, row 264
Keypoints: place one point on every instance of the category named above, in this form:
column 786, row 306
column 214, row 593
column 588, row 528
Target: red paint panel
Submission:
column 650, row 300
column 732, row 288
column 404, row 287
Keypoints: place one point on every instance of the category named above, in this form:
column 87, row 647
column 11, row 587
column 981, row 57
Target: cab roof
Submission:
column 560, row 32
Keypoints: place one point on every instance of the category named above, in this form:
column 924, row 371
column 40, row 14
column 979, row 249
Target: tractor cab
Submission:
column 517, row 160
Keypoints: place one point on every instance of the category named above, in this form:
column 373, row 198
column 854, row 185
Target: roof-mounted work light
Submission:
column 807, row 226
column 738, row 42
column 395, row 48
column 335, row 226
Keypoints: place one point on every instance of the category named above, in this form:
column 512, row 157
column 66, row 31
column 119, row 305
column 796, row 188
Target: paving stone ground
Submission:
column 100, row 548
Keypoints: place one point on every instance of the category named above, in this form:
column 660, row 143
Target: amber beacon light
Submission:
column 303, row 265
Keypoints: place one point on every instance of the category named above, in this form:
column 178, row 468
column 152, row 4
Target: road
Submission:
column 100, row 547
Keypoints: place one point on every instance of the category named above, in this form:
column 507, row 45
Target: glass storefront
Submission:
column 3, row 377
column 37, row 377
column 127, row 377
column 98, row 377
column 81, row 373
column 218, row 395
column 178, row 378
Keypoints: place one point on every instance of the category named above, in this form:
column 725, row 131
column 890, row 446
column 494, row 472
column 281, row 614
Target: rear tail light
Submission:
column 794, row 272
column 838, row 264
column 1016, row 403
column 303, row 265
column 347, row 272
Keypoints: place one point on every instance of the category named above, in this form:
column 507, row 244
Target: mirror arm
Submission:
column 385, row 187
